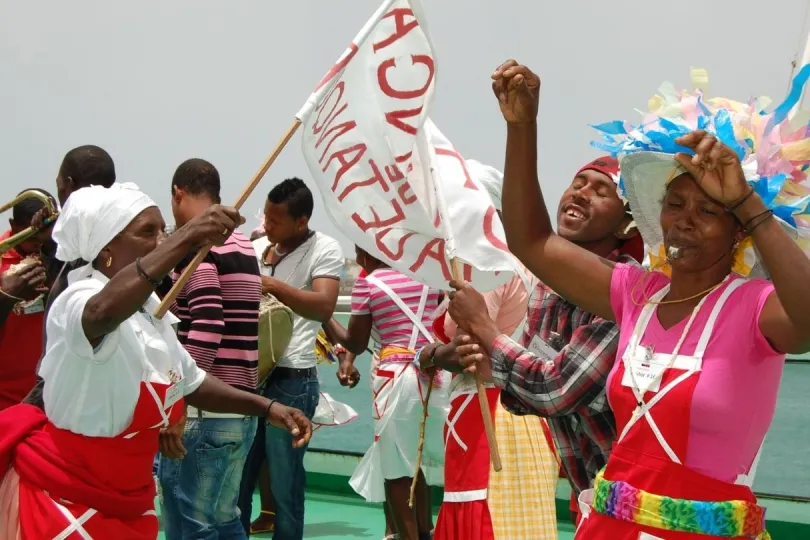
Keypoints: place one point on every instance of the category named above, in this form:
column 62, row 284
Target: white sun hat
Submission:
column 774, row 159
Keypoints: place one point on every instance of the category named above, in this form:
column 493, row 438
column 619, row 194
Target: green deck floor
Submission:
column 334, row 517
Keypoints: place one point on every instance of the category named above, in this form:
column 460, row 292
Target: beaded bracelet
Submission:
column 155, row 283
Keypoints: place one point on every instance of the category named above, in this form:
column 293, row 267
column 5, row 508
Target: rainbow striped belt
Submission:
column 727, row 519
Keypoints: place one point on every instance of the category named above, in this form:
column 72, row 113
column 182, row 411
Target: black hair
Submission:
column 88, row 165
column 24, row 211
column 198, row 177
column 296, row 194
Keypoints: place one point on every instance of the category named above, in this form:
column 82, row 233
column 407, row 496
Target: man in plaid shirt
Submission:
column 560, row 367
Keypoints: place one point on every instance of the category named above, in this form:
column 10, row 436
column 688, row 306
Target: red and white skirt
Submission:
column 465, row 512
column 399, row 391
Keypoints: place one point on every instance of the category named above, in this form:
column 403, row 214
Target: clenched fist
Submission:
column 518, row 92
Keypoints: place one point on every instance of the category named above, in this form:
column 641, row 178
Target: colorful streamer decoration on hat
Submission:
column 774, row 152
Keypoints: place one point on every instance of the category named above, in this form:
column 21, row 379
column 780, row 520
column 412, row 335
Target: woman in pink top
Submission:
column 701, row 347
column 396, row 312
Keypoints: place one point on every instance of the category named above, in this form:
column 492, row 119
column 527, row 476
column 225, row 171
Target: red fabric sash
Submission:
column 69, row 466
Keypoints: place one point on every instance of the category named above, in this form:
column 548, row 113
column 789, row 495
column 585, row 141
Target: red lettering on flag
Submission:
column 378, row 239
column 388, row 90
column 468, row 183
column 378, row 223
column 395, row 119
column 401, row 28
column 335, row 131
column 339, row 87
column 404, row 191
column 489, row 230
column 376, row 178
column 344, row 60
column 356, row 153
column 467, row 272
column 435, row 250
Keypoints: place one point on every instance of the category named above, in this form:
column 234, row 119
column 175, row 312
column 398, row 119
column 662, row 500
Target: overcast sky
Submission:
column 156, row 83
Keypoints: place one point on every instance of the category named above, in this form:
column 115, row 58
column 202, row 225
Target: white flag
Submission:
column 389, row 179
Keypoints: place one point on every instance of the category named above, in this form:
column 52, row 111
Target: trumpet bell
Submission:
column 13, row 241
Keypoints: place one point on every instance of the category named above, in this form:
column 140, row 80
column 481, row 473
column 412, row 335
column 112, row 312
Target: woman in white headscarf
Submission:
column 114, row 376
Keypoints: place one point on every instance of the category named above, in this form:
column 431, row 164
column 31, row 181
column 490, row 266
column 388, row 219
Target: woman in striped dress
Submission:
column 396, row 310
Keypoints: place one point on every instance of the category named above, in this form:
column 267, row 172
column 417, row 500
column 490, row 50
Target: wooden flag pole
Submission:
column 483, row 400
column 421, row 445
column 167, row 301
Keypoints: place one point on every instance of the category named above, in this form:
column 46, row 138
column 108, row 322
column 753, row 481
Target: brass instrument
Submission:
column 13, row 241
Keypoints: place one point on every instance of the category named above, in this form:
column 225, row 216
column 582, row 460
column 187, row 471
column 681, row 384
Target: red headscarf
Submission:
column 606, row 165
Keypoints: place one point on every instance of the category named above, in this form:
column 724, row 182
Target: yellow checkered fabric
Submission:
column 521, row 496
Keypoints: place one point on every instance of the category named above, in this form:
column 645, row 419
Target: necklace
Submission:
column 647, row 300
column 306, row 237
column 282, row 257
column 680, row 300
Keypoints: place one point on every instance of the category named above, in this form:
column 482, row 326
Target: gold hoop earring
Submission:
column 109, row 262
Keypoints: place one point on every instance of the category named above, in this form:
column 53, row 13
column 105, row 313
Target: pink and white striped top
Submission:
column 390, row 326
column 219, row 312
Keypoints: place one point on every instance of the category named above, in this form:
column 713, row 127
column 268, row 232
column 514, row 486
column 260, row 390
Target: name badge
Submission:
column 174, row 393
column 645, row 536
column 538, row 347
column 30, row 308
column 647, row 370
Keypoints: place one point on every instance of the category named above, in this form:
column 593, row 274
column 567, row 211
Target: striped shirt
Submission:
column 219, row 313
column 390, row 326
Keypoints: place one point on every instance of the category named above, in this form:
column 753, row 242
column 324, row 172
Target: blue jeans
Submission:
column 286, row 464
column 199, row 493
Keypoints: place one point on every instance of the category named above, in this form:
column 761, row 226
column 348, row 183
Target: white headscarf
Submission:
column 91, row 218
column 490, row 177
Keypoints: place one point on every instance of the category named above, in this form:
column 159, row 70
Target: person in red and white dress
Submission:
column 114, row 375
column 520, row 498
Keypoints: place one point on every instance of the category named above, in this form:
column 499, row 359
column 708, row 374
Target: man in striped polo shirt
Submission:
column 219, row 325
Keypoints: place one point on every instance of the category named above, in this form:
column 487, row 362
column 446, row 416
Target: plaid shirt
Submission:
column 570, row 390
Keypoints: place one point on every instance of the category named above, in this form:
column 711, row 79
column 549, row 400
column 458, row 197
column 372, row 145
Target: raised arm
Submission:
column 127, row 290
column 573, row 272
